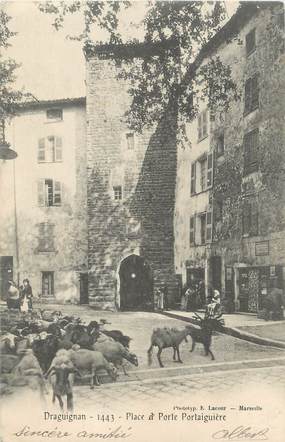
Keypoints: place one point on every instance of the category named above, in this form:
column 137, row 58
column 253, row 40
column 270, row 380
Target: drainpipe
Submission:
column 16, row 224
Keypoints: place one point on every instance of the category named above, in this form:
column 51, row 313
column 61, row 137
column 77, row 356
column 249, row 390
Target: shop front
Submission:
column 254, row 284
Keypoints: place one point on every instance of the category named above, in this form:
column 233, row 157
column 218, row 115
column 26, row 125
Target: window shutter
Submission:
column 192, row 230
column 41, row 193
column 200, row 133
column 57, row 191
column 247, row 95
column 205, row 124
column 250, row 42
column 50, row 236
column 254, row 93
column 209, row 226
column 193, row 178
column 41, row 150
column 254, row 220
column 254, row 149
column 210, row 170
column 246, row 215
column 246, row 153
column 58, row 149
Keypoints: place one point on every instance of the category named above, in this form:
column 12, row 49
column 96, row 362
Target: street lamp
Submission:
column 5, row 152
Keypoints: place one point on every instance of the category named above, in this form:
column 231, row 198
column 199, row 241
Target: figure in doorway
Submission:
column 26, row 296
column 188, row 300
column 274, row 304
column 13, row 296
column 159, row 299
column 214, row 307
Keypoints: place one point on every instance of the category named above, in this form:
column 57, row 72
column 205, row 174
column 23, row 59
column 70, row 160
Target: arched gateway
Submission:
column 136, row 288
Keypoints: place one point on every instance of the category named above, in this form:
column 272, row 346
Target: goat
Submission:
column 115, row 352
column 61, row 373
column 85, row 359
column 118, row 336
column 165, row 338
column 204, row 334
column 55, row 330
column 45, row 350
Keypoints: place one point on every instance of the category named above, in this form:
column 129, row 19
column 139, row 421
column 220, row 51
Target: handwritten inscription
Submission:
column 117, row 433
column 242, row 433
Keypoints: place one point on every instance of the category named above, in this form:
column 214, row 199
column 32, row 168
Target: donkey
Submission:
column 165, row 338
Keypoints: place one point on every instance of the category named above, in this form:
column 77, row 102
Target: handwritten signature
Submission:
column 242, row 433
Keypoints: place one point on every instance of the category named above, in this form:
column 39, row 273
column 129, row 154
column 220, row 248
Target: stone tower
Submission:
column 131, row 192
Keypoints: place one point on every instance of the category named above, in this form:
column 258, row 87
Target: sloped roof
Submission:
column 35, row 104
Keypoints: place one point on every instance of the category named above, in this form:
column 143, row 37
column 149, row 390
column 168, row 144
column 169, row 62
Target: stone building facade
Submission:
column 131, row 192
column 243, row 250
column 43, row 201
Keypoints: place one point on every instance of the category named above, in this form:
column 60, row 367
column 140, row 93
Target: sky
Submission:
column 52, row 66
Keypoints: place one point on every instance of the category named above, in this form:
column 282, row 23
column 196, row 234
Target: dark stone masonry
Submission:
column 139, row 226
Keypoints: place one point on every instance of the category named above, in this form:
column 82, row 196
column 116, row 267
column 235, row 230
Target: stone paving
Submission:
column 215, row 385
column 139, row 326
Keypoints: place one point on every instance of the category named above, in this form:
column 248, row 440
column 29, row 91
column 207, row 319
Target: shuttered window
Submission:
column 46, row 237
column 220, row 145
column 54, row 114
column 251, row 143
column 49, row 193
column 203, row 125
column 251, row 94
column 210, row 170
column 50, row 149
column 192, row 231
column 250, row 219
column 47, row 283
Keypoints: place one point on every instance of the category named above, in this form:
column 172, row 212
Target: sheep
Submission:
column 85, row 359
column 165, row 338
column 115, row 352
column 61, row 373
column 7, row 343
column 30, row 367
column 49, row 316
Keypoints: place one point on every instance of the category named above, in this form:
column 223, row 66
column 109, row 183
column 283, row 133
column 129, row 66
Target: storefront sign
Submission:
column 262, row 248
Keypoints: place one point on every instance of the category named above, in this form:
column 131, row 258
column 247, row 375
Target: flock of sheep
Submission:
column 43, row 344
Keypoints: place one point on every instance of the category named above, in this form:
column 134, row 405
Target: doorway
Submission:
column 216, row 271
column 6, row 274
column 83, row 281
column 136, row 285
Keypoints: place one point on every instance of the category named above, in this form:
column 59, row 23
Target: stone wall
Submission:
column 268, row 183
column 142, row 222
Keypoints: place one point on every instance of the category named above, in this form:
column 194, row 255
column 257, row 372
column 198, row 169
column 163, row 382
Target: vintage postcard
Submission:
column 142, row 211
